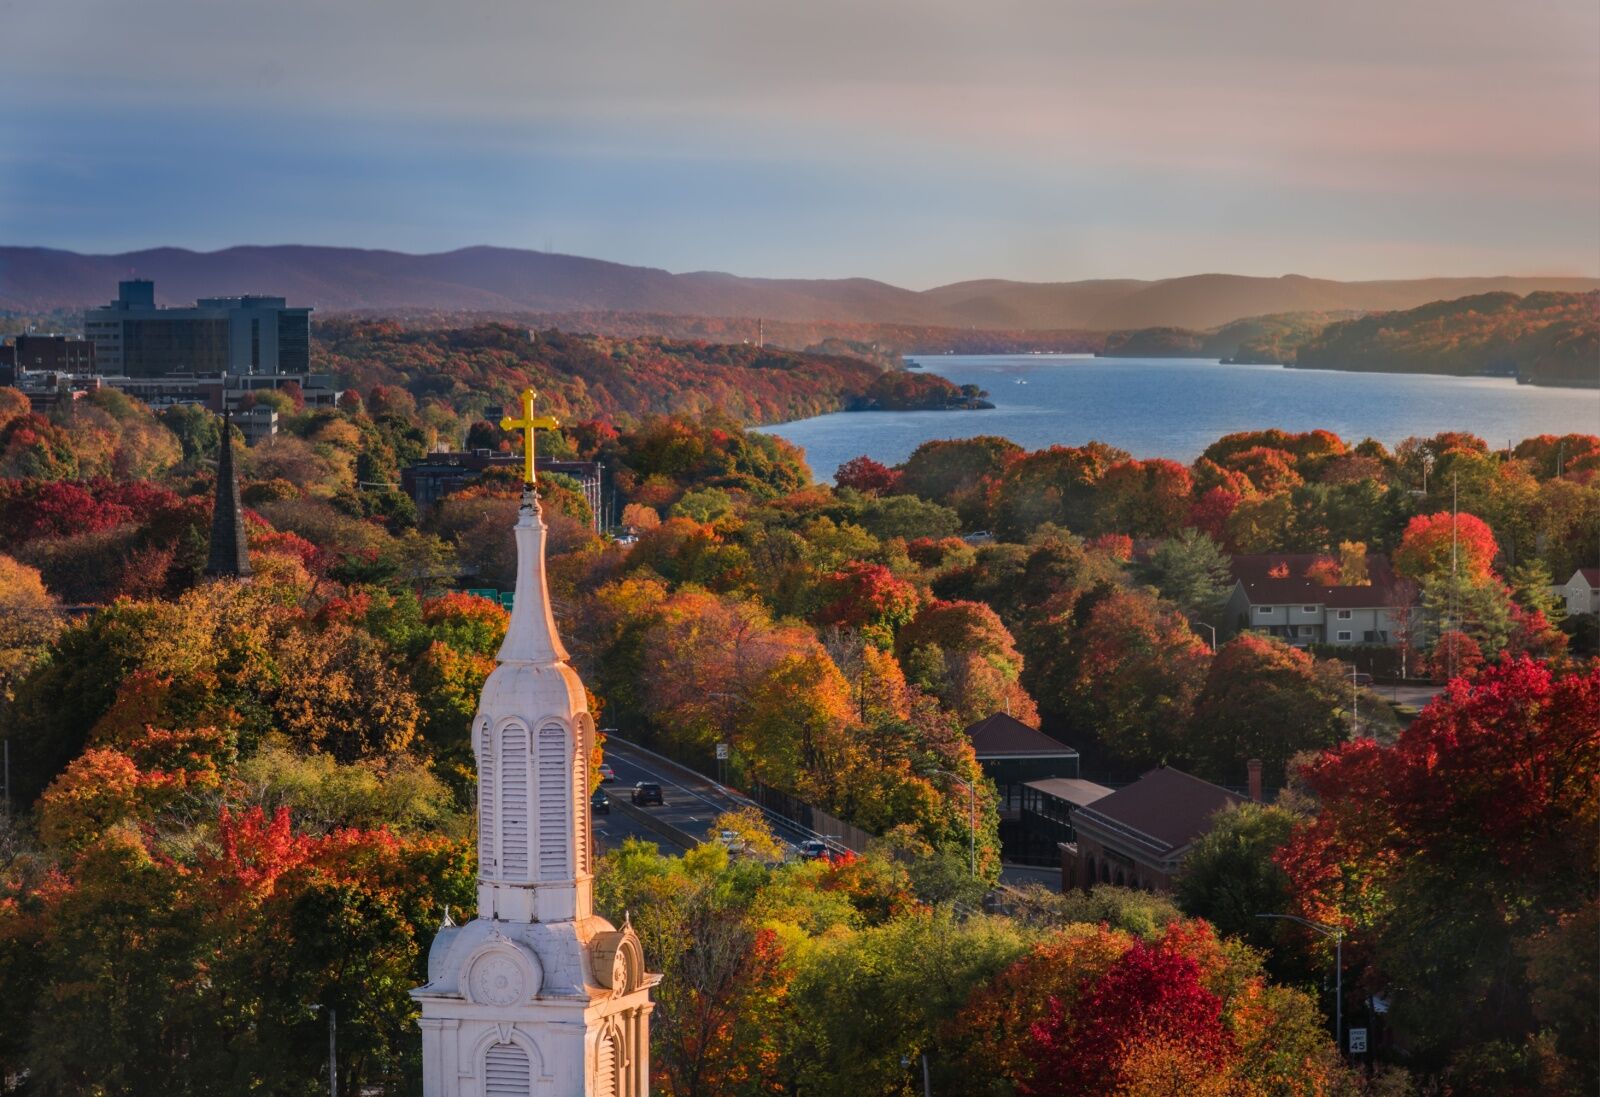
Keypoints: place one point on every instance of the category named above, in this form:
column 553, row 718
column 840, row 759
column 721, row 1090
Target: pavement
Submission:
column 1416, row 696
column 693, row 802
column 1017, row 875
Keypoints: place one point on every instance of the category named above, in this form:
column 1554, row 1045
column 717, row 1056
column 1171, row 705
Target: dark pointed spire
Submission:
column 230, row 551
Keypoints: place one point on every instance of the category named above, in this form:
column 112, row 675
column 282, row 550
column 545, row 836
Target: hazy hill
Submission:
column 510, row 280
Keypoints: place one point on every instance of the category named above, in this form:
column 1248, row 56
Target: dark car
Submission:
column 599, row 803
column 1363, row 679
column 813, row 849
column 647, row 792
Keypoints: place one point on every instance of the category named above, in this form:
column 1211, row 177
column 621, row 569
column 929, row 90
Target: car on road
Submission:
column 607, row 774
column 730, row 840
column 647, row 792
column 1363, row 679
column 599, row 803
column 813, row 848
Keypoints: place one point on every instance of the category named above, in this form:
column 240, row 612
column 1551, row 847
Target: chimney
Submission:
column 1253, row 767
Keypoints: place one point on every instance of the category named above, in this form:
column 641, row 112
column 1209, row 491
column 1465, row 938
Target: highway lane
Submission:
column 692, row 801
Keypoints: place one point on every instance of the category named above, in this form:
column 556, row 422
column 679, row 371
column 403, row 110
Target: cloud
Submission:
column 1353, row 112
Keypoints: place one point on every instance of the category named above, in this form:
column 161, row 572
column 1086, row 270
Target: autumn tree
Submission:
column 1475, row 831
column 1124, row 668
column 962, row 652
column 867, row 476
column 1264, row 699
column 1436, row 544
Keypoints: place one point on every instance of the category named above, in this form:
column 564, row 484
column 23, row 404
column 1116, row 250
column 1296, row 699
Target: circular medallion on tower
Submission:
column 497, row 981
column 499, row 976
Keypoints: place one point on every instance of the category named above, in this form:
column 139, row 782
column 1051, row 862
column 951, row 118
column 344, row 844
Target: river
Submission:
column 1176, row 407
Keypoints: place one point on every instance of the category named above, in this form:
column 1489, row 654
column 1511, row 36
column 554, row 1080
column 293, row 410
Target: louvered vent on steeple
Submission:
column 514, row 802
column 507, row 1072
column 488, row 802
column 554, row 833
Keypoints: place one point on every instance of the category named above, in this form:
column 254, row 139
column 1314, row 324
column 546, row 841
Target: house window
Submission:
column 1262, row 611
column 1308, row 609
column 1344, row 615
column 1344, row 635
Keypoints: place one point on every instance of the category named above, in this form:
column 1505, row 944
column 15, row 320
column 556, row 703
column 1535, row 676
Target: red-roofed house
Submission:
column 1277, row 593
column 1582, row 591
column 1138, row 836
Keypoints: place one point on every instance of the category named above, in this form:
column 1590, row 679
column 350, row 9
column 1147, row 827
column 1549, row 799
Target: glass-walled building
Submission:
column 237, row 335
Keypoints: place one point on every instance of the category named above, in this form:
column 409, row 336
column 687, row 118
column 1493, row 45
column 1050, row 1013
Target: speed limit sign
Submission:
column 1358, row 1041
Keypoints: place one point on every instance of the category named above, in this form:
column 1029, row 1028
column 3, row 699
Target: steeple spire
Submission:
column 531, row 637
column 230, row 550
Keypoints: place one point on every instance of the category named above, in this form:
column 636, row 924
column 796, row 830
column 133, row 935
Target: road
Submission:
column 692, row 801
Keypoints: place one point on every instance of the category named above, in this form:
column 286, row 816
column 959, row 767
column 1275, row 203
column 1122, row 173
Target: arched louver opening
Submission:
column 605, row 1070
column 488, row 801
column 580, row 801
column 514, row 802
column 555, row 834
column 507, row 1072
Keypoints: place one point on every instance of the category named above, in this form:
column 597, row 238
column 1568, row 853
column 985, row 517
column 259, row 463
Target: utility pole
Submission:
column 1355, row 702
column 1454, row 507
column 333, row 1052
column 1213, row 629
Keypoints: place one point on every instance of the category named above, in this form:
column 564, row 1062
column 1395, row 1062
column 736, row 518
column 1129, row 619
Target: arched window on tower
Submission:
column 555, row 786
column 507, row 1072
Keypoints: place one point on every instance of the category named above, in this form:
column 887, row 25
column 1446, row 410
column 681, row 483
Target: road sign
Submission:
column 722, row 752
column 1358, row 1041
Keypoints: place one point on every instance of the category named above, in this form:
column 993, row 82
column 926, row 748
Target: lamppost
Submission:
column 333, row 1049
column 972, row 814
column 1337, row 933
column 1213, row 629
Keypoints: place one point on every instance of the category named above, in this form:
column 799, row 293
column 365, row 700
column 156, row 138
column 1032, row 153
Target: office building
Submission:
column 233, row 335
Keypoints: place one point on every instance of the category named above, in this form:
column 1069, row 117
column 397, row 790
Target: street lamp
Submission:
column 1213, row 629
column 333, row 1050
column 1337, row 933
column 972, row 814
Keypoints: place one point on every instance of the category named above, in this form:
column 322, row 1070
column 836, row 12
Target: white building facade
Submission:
column 1581, row 593
column 538, row 995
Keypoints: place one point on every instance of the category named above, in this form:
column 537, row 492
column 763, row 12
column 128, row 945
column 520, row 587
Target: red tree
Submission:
column 1150, row 996
column 867, row 476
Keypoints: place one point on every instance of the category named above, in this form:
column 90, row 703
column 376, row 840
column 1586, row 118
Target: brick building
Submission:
column 1138, row 836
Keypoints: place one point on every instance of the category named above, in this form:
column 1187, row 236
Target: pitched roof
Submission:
column 1291, row 587
column 1590, row 575
column 1003, row 736
column 1162, row 811
column 1073, row 790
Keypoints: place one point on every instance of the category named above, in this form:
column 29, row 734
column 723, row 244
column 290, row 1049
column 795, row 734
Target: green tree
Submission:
column 865, row 1001
column 1192, row 571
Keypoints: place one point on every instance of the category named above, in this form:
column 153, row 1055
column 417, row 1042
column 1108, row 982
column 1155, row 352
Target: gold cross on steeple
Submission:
column 528, row 424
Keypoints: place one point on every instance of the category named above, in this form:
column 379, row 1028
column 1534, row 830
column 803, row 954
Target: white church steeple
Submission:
column 537, row 995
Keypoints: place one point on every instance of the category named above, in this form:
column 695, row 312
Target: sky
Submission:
column 917, row 141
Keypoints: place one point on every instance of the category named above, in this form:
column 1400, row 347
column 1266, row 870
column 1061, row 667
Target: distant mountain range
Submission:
column 506, row 280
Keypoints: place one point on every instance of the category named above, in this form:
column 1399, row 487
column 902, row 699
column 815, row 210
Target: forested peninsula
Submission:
column 1540, row 339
